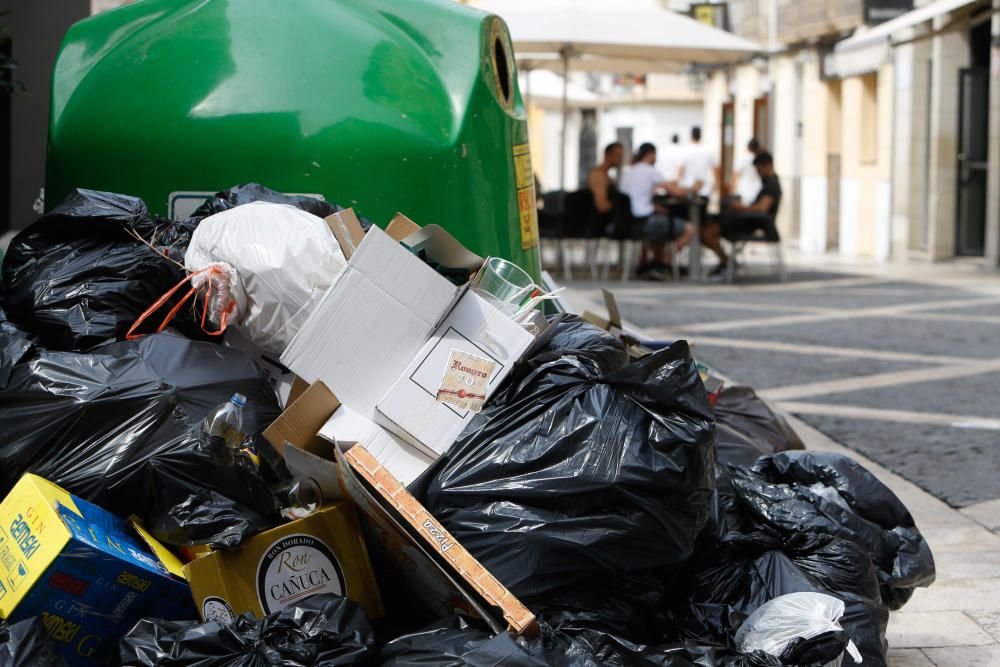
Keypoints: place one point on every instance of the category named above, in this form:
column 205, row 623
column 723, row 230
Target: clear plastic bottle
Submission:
column 224, row 424
column 299, row 498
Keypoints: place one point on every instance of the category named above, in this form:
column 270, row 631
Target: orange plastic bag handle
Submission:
column 131, row 335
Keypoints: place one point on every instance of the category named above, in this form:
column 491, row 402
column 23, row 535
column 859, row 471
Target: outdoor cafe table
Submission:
column 696, row 209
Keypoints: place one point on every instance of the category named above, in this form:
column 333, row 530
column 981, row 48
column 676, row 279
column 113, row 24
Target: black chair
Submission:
column 581, row 221
column 763, row 230
column 551, row 224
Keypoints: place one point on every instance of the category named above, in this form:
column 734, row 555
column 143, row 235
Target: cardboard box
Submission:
column 373, row 322
column 419, row 564
column 321, row 553
column 83, row 571
column 381, row 337
column 315, row 418
column 412, row 408
column 377, row 314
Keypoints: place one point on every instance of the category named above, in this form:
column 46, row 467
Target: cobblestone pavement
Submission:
column 900, row 368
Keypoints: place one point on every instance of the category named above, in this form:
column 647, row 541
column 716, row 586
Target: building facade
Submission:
column 632, row 110
column 885, row 132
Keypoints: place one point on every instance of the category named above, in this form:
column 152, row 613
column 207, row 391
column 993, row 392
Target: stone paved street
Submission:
column 898, row 368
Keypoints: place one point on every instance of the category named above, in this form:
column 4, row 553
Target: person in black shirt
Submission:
column 743, row 218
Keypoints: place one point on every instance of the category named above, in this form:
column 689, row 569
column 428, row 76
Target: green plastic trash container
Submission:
column 383, row 105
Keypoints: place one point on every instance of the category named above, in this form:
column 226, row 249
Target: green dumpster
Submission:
column 383, row 105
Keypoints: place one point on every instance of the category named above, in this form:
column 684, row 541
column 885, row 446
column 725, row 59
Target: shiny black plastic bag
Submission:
column 830, row 494
column 323, row 630
column 584, row 476
column 727, row 582
column 458, row 642
column 26, row 644
column 748, row 428
column 251, row 192
column 120, row 427
column 78, row 277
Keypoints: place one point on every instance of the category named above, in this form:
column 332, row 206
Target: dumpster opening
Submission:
column 501, row 68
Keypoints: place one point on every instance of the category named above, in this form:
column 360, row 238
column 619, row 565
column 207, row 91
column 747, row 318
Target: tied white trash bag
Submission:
column 273, row 264
column 795, row 616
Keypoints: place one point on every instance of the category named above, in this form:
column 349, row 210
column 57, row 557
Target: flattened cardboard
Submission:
column 438, row 542
column 303, row 418
column 402, row 459
column 430, row 579
column 635, row 343
column 443, row 247
column 400, row 227
column 347, row 230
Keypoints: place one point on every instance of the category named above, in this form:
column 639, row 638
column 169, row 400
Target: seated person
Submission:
column 654, row 225
column 602, row 187
column 738, row 218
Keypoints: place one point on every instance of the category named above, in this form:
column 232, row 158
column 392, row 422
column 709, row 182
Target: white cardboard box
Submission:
column 347, row 427
column 371, row 322
column 410, row 409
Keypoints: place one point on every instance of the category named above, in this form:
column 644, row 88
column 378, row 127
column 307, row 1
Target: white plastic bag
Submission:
column 275, row 263
column 778, row 623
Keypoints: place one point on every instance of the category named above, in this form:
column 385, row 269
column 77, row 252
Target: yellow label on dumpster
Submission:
column 527, row 205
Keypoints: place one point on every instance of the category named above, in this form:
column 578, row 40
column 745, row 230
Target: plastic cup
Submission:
column 505, row 281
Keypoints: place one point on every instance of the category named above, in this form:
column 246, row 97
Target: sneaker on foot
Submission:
column 719, row 270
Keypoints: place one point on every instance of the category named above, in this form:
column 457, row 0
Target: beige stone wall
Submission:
column 950, row 53
column 784, row 142
column 993, row 182
column 815, row 130
column 866, row 153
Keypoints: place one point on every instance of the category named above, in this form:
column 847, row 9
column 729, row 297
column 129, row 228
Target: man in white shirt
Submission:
column 699, row 167
column 746, row 182
column 653, row 224
column 672, row 159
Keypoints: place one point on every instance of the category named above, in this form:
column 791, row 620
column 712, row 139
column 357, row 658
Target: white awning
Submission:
column 870, row 48
column 635, row 36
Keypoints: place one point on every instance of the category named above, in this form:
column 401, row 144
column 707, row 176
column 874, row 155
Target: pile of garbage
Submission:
column 276, row 434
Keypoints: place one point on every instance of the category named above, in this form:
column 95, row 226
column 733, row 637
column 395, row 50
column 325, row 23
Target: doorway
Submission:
column 726, row 163
column 762, row 121
column 973, row 156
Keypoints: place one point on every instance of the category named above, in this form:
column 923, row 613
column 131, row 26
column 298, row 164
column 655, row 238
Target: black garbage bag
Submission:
column 736, row 576
column 26, row 644
column 748, row 428
column 78, row 277
column 459, row 642
column 584, row 476
column 120, row 427
column 830, row 494
column 251, row 192
column 323, row 630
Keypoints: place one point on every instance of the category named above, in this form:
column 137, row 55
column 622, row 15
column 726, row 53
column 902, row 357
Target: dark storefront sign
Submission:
column 714, row 14
column 880, row 11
